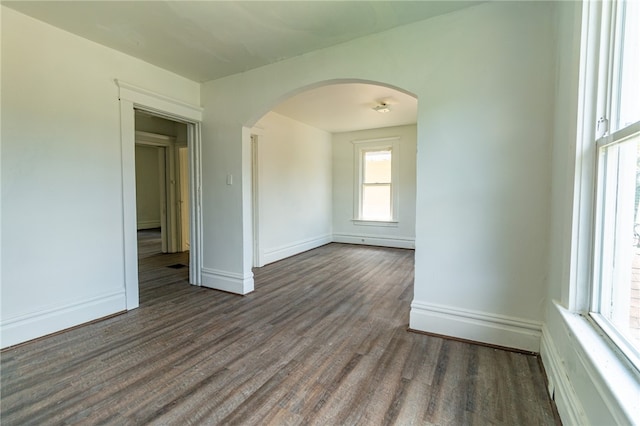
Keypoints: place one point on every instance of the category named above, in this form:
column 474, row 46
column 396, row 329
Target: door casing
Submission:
column 131, row 98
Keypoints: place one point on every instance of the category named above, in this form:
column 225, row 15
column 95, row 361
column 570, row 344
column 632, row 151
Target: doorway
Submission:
column 310, row 163
column 132, row 99
column 162, row 191
column 162, row 180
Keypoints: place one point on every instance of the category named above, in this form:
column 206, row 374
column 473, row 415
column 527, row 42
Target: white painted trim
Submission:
column 282, row 252
column 158, row 103
column 170, row 183
column 135, row 97
column 148, row 224
column 598, row 374
column 255, row 200
column 40, row 323
column 577, row 294
column 154, row 139
column 381, row 223
column 375, row 240
column 560, row 389
column 129, row 219
column 194, row 138
column 227, row 281
column 501, row 330
column 163, row 182
column 182, row 163
column 359, row 148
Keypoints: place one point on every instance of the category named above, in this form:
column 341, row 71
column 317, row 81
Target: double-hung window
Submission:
column 376, row 183
column 615, row 298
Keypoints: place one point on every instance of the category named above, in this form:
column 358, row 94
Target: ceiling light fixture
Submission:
column 383, row 107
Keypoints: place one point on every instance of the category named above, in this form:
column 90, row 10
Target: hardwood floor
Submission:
column 322, row 340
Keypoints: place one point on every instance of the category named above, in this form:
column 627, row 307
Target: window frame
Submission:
column 600, row 367
column 601, row 99
column 597, row 284
column 361, row 147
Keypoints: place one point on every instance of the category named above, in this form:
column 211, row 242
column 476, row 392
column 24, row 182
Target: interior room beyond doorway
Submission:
column 162, row 180
column 162, row 195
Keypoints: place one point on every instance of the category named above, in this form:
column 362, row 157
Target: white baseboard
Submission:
column 375, row 240
column 478, row 326
column 227, row 281
column 148, row 224
column 560, row 389
column 37, row 324
column 282, row 252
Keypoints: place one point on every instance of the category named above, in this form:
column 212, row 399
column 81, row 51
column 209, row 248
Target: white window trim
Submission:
column 359, row 148
column 616, row 380
column 607, row 108
column 387, row 223
column 599, row 265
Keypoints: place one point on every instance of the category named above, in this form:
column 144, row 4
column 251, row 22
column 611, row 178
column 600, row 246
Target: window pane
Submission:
column 628, row 96
column 618, row 298
column 376, row 202
column 377, row 167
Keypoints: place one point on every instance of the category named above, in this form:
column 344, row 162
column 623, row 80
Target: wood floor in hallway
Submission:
column 323, row 340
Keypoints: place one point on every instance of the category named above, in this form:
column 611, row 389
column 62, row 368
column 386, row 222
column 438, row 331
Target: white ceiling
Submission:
column 348, row 107
column 206, row 40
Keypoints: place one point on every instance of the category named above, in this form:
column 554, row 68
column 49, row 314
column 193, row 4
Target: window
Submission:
column 615, row 299
column 376, row 185
column 376, row 180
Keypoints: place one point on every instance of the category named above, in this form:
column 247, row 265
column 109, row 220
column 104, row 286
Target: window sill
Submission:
column 612, row 373
column 386, row 223
column 616, row 339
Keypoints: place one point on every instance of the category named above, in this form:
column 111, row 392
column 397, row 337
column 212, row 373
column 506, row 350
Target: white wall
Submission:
column 483, row 77
column 345, row 230
column 61, row 175
column 147, row 187
column 294, row 174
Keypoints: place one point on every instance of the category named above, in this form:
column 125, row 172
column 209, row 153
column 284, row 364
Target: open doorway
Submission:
column 132, row 99
column 162, row 199
column 311, row 184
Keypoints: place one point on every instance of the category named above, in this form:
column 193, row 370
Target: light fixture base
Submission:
column 382, row 108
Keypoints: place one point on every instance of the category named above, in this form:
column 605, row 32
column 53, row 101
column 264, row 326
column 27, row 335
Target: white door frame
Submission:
column 169, row 220
column 131, row 98
column 182, row 175
column 255, row 199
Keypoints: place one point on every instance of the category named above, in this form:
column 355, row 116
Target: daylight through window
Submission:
column 376, row 183
column 616, row 294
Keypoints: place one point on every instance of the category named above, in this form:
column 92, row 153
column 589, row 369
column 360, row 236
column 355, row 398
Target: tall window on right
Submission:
column 615, row 301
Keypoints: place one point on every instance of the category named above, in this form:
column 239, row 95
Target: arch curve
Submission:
column 323, row 83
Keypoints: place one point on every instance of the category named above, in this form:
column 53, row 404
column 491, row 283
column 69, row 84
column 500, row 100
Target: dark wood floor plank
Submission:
column 322, row 340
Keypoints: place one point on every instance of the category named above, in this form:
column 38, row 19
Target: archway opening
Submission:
column 334, row 162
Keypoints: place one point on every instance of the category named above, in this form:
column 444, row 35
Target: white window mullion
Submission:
column 615, row 62
column 606, row 68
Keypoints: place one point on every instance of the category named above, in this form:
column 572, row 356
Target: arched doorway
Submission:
column 308, row 156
